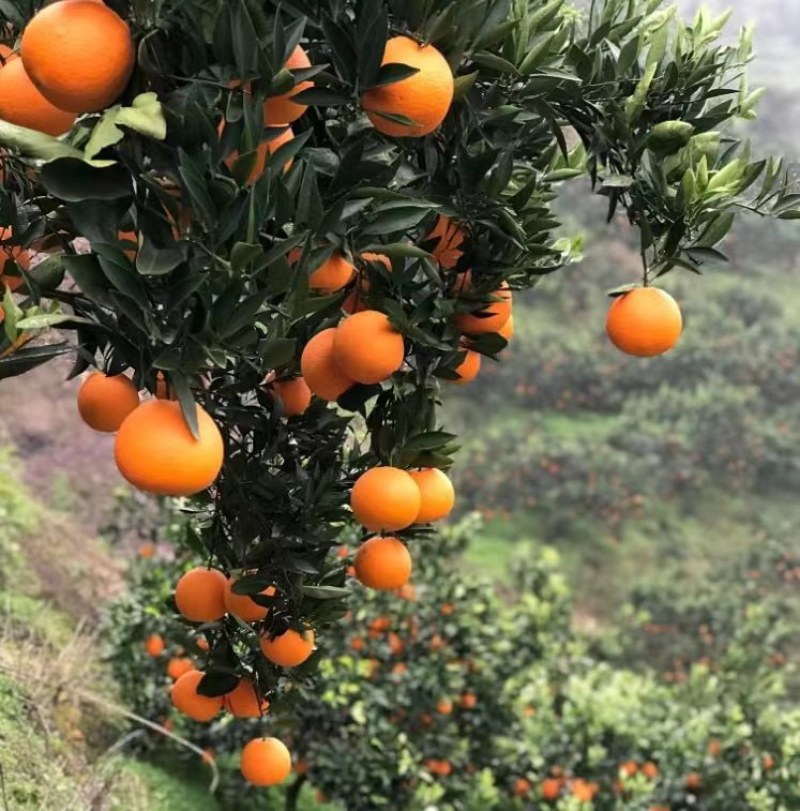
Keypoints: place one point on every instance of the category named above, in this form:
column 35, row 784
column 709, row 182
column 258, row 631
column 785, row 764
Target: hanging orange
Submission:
column 281, row 109
column 367, row 348
column 644, row 322
column 185, row 697
column 383, row 563
column 490, row 318
column 105, row 401
column 385, row 499
column 320, row 370
column 22, row 103
column 200, row 594
column 290, row 649
column 437, row 494
column 243, row 701
column 266, row 762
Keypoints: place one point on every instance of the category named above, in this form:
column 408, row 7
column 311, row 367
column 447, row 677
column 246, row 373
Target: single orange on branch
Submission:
column 644, row 322
column 22, row 103
column 266, row 762
column 385, row 499
column 290, row 649
column 491, row 317
column 243, row 701
column 104, row 401
column 283, row 109
column 154, row 645
column 243, row 606
column 320, row 369
column 200, row 595
column 423, row 98
column 437, row 494
column 367, row 348
column 383, row 564
column 187, row 700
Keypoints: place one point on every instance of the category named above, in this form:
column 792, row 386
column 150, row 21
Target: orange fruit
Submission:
column 320, row 370
column 17, row 254
column 79, row 54
column 693, row 781
column 383, row 563
column 507, row 330
column 281, row 109
column 332, row 275
column 629, row 768
column 450, row 237
column 147, row 550
column 522, row 787
column 266, row 762
column 367, row 348
column 156, row 452
column 7, row 54
column 177, row 666
column 768, row 762
column 200, row 594
column 469, row 368
column 22, row 103
column 436, row 492
column 243, row 701
column 263, row 151
column 185, row 697
column 650, row 770
column 105, row 401
column 468, row 701
column 490, row 318
column 243, row 606
column 551, row 788
column 126, row 237
column 385, row 499
column 290, row 649
column 444, row 707
column 154, row 645
column 294, row 394
column 644, row 322
column 424, row 98
column 584, row 791
column 202, row 644
column 354, row 303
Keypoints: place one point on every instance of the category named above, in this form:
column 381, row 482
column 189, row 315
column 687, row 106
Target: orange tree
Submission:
column 241, row 174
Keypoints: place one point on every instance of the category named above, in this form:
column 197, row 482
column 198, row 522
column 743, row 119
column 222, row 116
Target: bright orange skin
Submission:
column 264, row 150
column 104, row 402
column 22, row 103
column 156, row 452
column 693, row 781
column 177, row 666
column 294, row 394
column 187, row 700
column 281, row 109
column 551, row 788
column 266, row 762
column 242, row 606
column 469, row 701
column 127, row 236
column 19, row 255
column 367, row 348
column 154, row 645
column 200, row 595
column 507, row 330
column 385, row 499
column 522, row 787
column 491, row 318
column 383, row 564
column 450, row 238
column 7, row 54
column 583, row 791
column 354, row 303
column 438, row 496
column 444, row 707
column 650, row 770
column 424, row 98
column 79, row 54
column 290, row 649
column 332, row 275
column 320, row 369
column 468, row 369
column 645, row 322
column 242, row 701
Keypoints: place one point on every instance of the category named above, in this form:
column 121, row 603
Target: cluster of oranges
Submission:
column 75, row 57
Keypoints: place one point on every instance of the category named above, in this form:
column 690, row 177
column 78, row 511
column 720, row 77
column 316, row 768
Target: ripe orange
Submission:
column 450, row 238
column 522, row 787
column 469, row 368
column 583, row 790
column 185, row 697
column 650, row 770
column 156, row 452
column 551, row 788
column 22, row 103
column 7, row 54
column 319, row 367
column 147, row 550
column 294, row 394
column 79, row 54
column 424, row 98
column 266, row 762
column 367, row 348
column 645, row 322
column 154, row 645
column 768, row 762
column 19, row 255
column 281, row 109
column 177, row 666
column 383, row 563
column 385, row 499
column 126, row 237
column 263, row 151
column 354, row 303
column 444, row 707
column 436, row 492
column 243, row 701
column 693, row 781
column 243, row 606
column 468, row 701
column 200, row 594
column 290, row 649
column 332, row 275
column 629, row 768
column 507, row 330
column 490, row 318
column 104, row 402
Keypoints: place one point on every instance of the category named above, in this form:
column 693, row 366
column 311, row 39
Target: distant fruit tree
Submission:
column 293, row 225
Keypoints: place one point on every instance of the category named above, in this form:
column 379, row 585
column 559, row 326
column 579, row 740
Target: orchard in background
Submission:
column 291, row 205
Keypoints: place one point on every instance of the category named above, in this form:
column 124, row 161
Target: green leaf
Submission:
column 32, row 144
column 144, row 116
column 187, row 402
column 26, row 359
column 325, row 592
column 74, row 180
column 278, row 351
column 45, row 320
column 393, row 72
column 398, row 219
column 152, row 261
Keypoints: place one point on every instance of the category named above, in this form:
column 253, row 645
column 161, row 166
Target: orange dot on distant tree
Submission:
column 266, row 762
column 104, row 401
column 383, row 564
column 154, row 645
column 200, row 595
column 385, row 499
